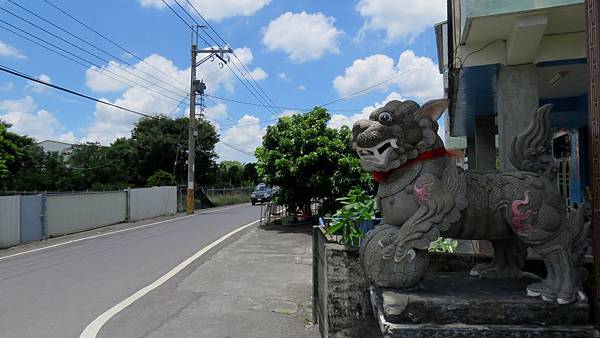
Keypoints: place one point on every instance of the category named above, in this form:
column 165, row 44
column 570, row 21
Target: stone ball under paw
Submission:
column 387, row 272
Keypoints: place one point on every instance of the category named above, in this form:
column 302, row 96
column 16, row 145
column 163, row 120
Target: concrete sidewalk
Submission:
column 258, row 286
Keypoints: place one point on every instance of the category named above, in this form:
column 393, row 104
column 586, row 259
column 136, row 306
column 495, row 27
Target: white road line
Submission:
column 116, row 232
column 94, row 327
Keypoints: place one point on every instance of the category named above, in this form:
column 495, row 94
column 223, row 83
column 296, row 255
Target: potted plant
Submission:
column 354, row 219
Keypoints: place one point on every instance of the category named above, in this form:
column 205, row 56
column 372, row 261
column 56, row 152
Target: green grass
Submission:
column 227, row 199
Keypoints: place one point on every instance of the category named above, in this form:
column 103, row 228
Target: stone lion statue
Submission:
column 423, row 194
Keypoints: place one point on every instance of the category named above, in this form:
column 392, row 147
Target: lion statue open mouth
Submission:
column 396, row 133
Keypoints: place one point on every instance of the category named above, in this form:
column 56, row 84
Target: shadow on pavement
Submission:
column 292, row 228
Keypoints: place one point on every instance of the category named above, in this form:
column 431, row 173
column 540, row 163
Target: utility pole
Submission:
column 198, row 87
column 192, row 131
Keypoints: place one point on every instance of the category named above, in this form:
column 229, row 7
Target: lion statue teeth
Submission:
column 423, row 195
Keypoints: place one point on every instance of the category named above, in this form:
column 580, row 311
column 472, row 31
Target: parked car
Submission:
column 262, row 193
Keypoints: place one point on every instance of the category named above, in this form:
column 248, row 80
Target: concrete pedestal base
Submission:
column 453, row 304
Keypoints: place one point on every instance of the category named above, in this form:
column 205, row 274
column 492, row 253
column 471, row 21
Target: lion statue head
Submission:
column 396, row 133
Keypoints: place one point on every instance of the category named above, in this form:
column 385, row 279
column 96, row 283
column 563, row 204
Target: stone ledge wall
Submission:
column 341, row 302
column 342, row 306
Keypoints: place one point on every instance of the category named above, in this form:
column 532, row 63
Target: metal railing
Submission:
column 271, row 212
column 228, row 191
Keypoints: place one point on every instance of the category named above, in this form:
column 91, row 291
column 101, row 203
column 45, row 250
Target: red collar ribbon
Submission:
column 382, row 176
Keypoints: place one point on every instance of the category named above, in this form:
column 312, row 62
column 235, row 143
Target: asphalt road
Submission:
column 57, row 292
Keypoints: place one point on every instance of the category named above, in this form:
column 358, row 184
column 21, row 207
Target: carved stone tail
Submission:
column 532, row 149
column 580, row 229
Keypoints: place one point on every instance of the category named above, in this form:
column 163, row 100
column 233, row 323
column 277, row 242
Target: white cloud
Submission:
column 9, row 51
column 27, row 119
column 38, row 87
column 365, row 72
column 104, row 79
column 245, row 135
column 216, row 10
column 26, row 104
column 7, row 87
column 176, row 80
column 111, row 123
column 420, row 77
column 302, row 36
column 216, row 112
column 288, row 112
column 413, row 77
column 400, row 19
column 259, row 74
column 283, row 76
column 301, row 87
column 442, row 127
column 339, row 120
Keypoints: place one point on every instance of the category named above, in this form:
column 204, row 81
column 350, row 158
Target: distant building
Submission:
column 503, row 59
column 55, row 146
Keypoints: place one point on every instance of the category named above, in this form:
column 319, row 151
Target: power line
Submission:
column 200, row 15
column 83, row 50
column 237, row 124
column 83, row 168
column 179, row 104
column 365, row 90
column 264, row 97
column 252, row 91
column 265, row 101
column 194, row 20
column 270, row 110
column 234, row 54
column 78, row 57
column 90, row 44
column 113, row 42
column 179, row 16
column 31, row 78
column 216, row 105
column 238, row 149
column 280, row 107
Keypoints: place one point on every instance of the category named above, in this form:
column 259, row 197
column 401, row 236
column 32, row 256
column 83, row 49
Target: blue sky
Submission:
column 302, row 53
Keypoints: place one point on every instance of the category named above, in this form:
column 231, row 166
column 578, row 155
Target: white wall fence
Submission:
column 10, row 220
column 152, row 202
column 67, row 213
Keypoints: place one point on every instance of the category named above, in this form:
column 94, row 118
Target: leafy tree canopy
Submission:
column 310, row 161
column 14, row 151
column 157, row 147
column 161, row 143
column 161, row 178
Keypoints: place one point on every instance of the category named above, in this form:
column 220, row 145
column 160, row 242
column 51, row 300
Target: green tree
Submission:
column 41, row 171
column 99, row 167
column 157, row 145
column 7, row 149
column 250, row 176
column 230, row 174
column 161, row 143
column 14, row 151
column 161, row 178
column 310, row 161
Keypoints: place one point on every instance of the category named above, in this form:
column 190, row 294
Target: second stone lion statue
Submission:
column 423, row 195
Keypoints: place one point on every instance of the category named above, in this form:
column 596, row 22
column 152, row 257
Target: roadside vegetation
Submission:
column 227, row 199
column 155, row 154
column 309, row 161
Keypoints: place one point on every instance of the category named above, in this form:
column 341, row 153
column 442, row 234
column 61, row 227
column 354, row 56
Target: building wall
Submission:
column 52, row 146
